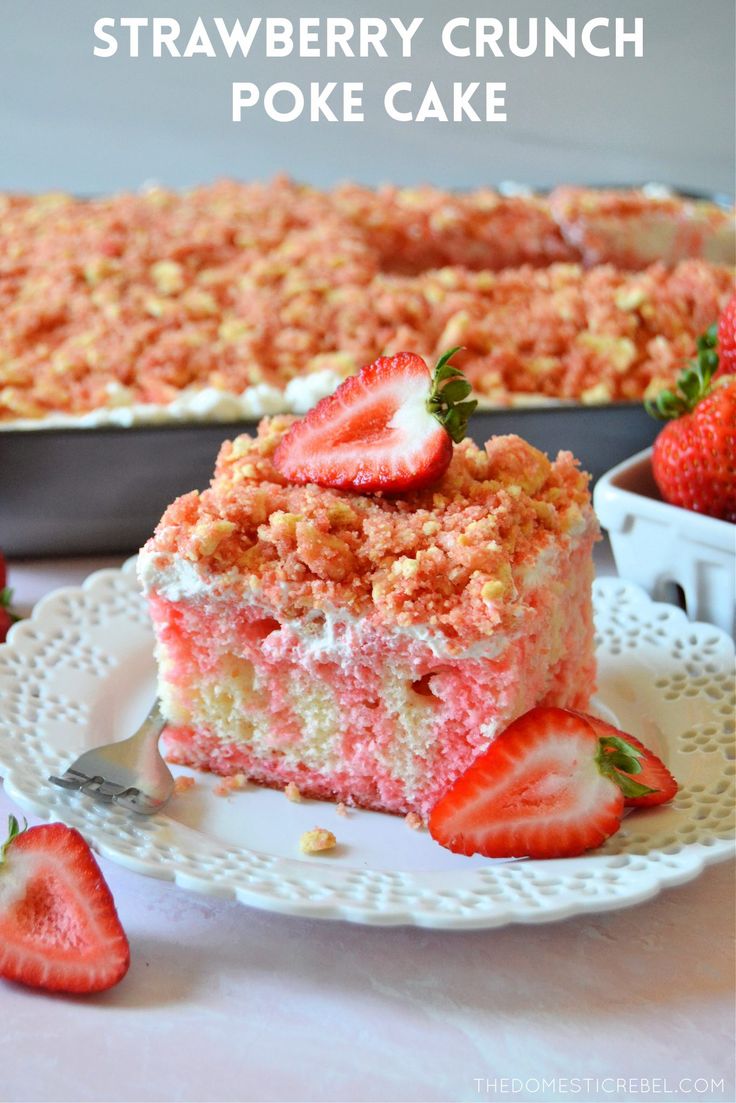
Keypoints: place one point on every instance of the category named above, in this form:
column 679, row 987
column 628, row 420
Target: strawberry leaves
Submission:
column 6, row 598
column 693, row 383
column 14, row 830
column 448, row 398
column 615, row 760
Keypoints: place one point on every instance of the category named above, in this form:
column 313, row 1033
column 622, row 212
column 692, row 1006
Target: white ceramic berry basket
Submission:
column 667, row 550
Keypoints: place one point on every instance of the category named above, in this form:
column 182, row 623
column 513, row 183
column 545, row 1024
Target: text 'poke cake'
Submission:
column 367, row 646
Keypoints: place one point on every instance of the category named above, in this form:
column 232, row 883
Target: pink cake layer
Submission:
column 463, row 607
column 463, row 701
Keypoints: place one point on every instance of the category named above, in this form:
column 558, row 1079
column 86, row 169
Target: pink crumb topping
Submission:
column 631, row 229
column 448, row 557
column 136, row 298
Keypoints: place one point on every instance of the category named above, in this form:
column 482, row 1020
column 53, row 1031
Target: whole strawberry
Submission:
column 694, row 456
column 727, row 338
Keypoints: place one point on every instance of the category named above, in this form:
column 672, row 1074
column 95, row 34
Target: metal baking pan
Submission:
column 102, row 490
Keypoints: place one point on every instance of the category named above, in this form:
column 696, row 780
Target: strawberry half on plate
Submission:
column 59, row 929
column 7, row 616
column 552, row 785
column 389, row 429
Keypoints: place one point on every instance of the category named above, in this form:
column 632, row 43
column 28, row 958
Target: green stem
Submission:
column 447, row 399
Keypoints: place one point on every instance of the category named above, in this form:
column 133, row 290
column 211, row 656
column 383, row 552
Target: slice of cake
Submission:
column 367, row 648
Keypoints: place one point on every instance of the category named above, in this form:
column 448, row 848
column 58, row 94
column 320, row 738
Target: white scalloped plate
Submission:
column 81, row 672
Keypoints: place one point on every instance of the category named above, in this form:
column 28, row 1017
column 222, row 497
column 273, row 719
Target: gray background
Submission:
column 70, row 120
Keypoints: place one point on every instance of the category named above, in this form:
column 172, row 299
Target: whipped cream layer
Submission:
column 329, row 633
column 208, row 404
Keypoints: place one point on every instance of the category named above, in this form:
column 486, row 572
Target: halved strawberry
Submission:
column 59, row 929
column 652, row 771
column 389, row 428
column 549, row 786
column 7, row 616
column 7, row 620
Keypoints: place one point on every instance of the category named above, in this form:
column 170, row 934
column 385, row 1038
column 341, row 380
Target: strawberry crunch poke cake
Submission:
column 236, row 300
column 366, row 645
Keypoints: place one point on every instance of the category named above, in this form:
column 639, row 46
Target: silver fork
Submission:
column 130, row 773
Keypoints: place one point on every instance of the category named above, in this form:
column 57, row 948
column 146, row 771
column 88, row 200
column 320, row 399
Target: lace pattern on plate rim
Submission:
column 78, row 636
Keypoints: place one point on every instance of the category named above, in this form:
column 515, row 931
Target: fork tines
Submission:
column 106, row 791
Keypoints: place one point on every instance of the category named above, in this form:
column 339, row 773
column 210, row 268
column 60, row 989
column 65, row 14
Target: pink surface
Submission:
column 226, row 1003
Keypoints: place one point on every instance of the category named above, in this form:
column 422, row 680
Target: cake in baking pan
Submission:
column 238, row 300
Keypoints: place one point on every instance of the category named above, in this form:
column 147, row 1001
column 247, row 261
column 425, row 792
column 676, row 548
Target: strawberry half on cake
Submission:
column 358, row 605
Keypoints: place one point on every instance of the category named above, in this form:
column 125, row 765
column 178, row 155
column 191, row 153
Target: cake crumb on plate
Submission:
column 319, row 838
column 291, row 792
column 414, row 821
column 183, row 784
column 229, row 785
